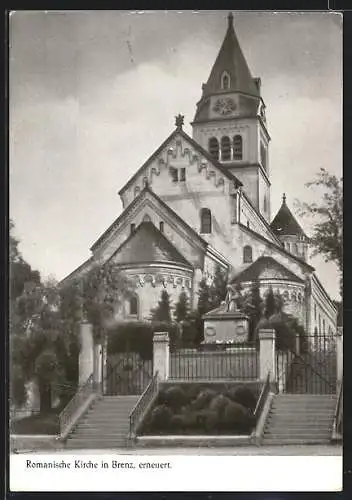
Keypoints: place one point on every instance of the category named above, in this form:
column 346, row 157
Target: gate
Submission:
column 311, row 369
column 127, row 374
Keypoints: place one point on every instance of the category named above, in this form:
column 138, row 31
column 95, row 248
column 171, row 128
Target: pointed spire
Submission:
column 285, row 223
column 231, row 60
column 230, row 19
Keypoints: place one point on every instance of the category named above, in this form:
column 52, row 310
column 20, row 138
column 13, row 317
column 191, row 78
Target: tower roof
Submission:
column 284, row 222
column 231, row 59
column 148, row 244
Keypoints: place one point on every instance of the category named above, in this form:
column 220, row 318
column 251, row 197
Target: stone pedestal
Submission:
column 267, row 361
column 222, row 326
column 86, row 355
column 161, row 355
column 339, row 354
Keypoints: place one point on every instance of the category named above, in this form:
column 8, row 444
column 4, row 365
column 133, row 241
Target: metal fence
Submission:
column 311, row 369
column 215, row 363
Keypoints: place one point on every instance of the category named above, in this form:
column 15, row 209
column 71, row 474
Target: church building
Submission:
column 202, row 201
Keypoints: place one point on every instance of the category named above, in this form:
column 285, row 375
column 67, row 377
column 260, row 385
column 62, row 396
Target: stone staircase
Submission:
column 300, row 419
column 105, row 425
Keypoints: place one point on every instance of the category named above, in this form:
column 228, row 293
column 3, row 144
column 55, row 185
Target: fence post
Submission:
column 267, row 362
column 339, row 354
column 86, row 355
column 161, row 354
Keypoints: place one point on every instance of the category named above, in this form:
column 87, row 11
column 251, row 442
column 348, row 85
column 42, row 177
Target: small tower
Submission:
column 290, row 233
column 230, row 121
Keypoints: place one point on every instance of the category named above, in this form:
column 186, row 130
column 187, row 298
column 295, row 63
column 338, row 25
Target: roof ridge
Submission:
column 256, row 263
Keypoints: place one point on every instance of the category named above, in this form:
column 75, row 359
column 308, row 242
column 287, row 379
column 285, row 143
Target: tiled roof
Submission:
column 147, row 244
column 266, row 268
column 231, row 60
column 284, row 222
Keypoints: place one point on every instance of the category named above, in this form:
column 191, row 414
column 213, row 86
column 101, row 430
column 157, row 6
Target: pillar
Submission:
column 339, row 354
column 98, row 366
column 267, row 362
column 86, row 355
column 161, row 354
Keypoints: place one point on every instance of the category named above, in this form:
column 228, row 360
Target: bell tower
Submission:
column 230, row 121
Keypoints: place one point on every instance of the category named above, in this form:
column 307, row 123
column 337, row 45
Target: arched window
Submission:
column 133, row 306
column 323, row 325
column 133, row 227
column 225, row 81
column 247, row 254
column 288, row 247
column 294, row 297
column 265, row 204
column 225, row 148
column 161, row 226
column 237, row 147
column 205, row 221
column 214, row 148
column 315, row 311
column 295, row 249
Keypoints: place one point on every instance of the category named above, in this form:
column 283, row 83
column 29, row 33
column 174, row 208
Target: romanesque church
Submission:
column 202, row 201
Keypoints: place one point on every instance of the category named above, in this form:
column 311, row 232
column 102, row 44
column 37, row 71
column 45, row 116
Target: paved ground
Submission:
column 241, row 450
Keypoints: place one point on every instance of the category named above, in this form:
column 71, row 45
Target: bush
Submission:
column 219, row 403
column 160, row 418
column 244, row 396
column 235, row 415
column 203, row 399
column 174, row 397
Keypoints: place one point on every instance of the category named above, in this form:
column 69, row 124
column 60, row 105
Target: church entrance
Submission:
column 127, row 374
column 310, row 369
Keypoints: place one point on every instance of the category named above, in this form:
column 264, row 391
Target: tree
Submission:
column 38, row 331
column 204, row 298
column 182, row 308
column 162, row 311
column 20, row 271
column 253, row 306
column 218, row 287
column 270, row 304
column 327, row 233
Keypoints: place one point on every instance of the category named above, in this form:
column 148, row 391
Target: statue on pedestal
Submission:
column 233, row 299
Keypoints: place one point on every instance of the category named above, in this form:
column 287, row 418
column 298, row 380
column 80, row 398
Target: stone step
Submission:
column 99, row 435
column 271, row 441
column 297, row 428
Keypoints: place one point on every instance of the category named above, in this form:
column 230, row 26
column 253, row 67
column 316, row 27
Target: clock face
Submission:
column 224, row 106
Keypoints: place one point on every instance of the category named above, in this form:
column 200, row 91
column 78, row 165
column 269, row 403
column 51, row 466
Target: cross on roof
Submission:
column 179, row 121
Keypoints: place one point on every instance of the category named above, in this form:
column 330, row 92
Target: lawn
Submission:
column 47, row 423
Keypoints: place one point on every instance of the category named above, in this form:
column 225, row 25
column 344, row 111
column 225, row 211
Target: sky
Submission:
column 94, row 93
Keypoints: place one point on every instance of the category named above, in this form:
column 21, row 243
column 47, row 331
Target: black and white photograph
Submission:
column 175, row 260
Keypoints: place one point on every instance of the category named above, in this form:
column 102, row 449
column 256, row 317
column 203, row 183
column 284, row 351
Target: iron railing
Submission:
column 338, row 418
column 70, row 410
column 215, row 363
column 142, row 404
column 262, row 398
column 312, row 370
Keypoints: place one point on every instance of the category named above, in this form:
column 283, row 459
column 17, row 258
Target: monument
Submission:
column 227, row 323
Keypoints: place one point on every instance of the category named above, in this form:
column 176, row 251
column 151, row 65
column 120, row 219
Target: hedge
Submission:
column 137, row 336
